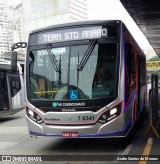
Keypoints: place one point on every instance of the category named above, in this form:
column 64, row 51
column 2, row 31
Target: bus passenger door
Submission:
column 4, row 101
column 131, row 82
column 16, row 91
column 141, row 81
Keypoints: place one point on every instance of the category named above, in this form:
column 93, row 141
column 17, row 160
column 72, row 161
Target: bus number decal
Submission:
column 86, row 118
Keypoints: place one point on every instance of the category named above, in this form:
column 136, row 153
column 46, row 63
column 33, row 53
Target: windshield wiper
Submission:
column 56, row 66
column 85, row 58
column 86, row 55
column 59, row 70
column 53, row 59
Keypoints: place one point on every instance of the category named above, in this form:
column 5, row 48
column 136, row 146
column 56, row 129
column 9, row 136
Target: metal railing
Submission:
column 154, row 105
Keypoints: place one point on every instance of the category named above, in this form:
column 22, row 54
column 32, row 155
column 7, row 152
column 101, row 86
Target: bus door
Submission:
column 4, row 101
column 139, row 81
column 15, row 90
column 131, row 73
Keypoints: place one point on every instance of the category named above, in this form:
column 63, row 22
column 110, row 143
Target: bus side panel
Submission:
column 16, row 90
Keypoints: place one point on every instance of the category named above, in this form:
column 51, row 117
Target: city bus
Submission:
column 11, row 89
column 84, row 80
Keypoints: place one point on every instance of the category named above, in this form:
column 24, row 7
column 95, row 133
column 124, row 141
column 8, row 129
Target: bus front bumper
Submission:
column 115, row 128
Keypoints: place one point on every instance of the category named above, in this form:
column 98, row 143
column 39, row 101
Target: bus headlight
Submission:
column 113, row 111
column 30, row 112
column 38, row 119
column 110, row 114
column 34, row 116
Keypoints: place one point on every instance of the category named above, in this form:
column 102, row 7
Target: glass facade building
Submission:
column 6, row 36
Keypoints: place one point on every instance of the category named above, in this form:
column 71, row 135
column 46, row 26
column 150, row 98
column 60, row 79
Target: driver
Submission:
column 108, row 78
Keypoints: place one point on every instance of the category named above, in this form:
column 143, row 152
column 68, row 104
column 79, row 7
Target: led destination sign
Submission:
column 72, row 34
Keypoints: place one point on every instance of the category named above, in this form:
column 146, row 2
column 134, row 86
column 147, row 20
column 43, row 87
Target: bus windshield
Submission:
column 73, row 72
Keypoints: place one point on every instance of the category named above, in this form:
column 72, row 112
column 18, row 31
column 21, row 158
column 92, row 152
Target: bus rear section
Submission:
column 11, row 89
column 75, row 81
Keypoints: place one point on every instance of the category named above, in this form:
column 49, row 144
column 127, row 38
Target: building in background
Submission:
column 4, row 3
column 6, row 35
column 6, row 32
column 41, row 13
column 30, row 15
column 18, row 24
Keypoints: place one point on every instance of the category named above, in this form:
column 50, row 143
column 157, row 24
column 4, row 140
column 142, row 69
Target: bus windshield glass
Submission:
column 73, row 72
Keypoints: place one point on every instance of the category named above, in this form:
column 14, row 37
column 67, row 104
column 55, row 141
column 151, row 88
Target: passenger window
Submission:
column 15, row 83
column 130, row 66
column 130, row 69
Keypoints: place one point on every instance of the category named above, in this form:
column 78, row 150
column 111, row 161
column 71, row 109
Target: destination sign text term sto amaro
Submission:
column 79, row 33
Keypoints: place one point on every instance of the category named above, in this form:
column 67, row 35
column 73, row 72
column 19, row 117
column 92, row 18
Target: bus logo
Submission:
column 54, row 104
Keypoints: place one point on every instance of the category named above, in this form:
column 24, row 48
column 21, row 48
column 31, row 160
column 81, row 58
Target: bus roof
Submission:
column 75, row 24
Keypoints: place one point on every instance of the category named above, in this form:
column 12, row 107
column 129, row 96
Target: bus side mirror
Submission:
column 18, row 45
column 14, row 61
column 14, row 54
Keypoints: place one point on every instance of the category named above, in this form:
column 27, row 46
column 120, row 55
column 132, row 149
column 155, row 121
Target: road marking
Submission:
column 4, row 145
column 147, row 150
column 127, row 150
column 13, row 130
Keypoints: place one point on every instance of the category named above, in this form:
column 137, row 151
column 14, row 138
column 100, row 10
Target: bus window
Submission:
column 4, row 91
column 15, row 83
column 142, row 72
column 130, row 69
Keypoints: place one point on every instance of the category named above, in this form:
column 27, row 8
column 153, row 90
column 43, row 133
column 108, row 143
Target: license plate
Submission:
column 70, row 134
